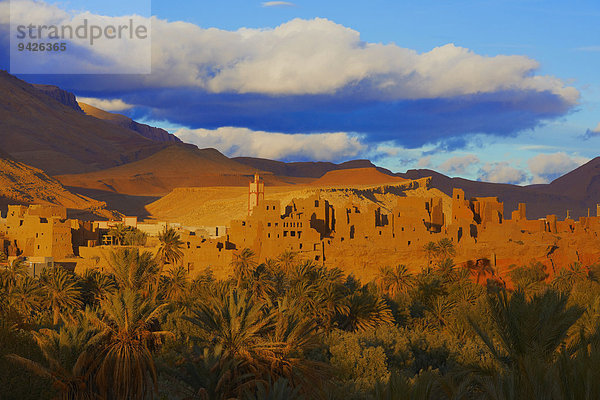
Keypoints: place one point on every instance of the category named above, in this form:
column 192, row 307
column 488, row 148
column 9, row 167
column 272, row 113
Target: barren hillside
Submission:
column 219, row 205
column 22, row 184
column 179, row 165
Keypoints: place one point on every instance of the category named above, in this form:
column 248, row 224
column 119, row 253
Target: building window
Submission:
column 268, row 224
column 316, row 203
column 293, row 233
column 284, row 233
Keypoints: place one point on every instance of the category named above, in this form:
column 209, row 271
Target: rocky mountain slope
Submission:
column 40, row 131
column 147, row 131
column 179, row 165
column 22, row 184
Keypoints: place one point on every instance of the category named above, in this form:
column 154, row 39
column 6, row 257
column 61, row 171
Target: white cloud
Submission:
column 319, row 56
column 424, row 162
column 277, row 4
column 106, row 104
column 547, row 167
column 238, row 142
column 120, row 54
column 314, row 56
column 501, row 172
column 458, row 165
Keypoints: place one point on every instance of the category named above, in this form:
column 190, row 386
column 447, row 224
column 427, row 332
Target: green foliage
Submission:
column 16, row 383
column 291, row 329
column 358, row 362
column 529, row 278
column 170, row 247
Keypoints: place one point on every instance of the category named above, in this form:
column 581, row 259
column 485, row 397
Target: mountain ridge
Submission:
column 147, row 131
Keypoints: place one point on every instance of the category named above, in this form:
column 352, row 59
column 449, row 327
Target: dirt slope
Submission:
column 357, row 176
column 308, row 169
column 179, row 165
column 22, row 184
column 219, row 205
column 40, row 131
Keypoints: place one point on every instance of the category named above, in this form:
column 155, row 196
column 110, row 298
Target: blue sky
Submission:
column 408, row 84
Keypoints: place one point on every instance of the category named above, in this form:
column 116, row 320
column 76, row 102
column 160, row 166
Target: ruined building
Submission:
column 38, row 231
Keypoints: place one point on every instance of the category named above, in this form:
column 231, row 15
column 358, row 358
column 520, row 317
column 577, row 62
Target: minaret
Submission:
column 256, row 193
column 597, row 210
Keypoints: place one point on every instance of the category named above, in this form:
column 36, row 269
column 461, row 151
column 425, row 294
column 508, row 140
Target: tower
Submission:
column 597, row 210
column 256, row 193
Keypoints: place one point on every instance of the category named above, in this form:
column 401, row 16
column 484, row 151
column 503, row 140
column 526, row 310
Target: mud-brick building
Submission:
column 39, row 231
column 269, row 230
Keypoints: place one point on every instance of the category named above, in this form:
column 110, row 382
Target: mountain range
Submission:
column 75, row 149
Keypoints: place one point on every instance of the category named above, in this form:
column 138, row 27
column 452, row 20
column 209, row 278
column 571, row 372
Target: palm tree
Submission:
column 260, row 284
column 126, row 368
column 134, row 270
column 61, row 291
column 175, row 284
column 281, row 354
column 524, row 329
column 280, row 390
column 25, row 297
column 287, row 260
column 3, row 257
column 441, row 308
column 330, row 303
column 135, row 237
column 233, row 320
column 445, row 249
column 480, row 268
column 243, row 263
column 97, row 286
column 208, row 376
column 170, row 247
column 118, row 232
column 395, row 280
column 15, row 270
column 398, row 387
column 70, row 357
column 431, row 249
column 366, row 311
column 567, row 277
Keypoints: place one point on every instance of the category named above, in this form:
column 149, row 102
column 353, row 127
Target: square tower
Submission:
column 256, row 193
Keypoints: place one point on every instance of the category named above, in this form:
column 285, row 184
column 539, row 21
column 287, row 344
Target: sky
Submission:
column 501, row 91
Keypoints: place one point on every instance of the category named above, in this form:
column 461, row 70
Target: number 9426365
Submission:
column 57, row 47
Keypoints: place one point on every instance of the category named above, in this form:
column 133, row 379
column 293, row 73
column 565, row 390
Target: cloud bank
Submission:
column 106, row 104
column 502, row 172
column 312, row 76
column 547, row 167
column 237, row 142
column 459, row 165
